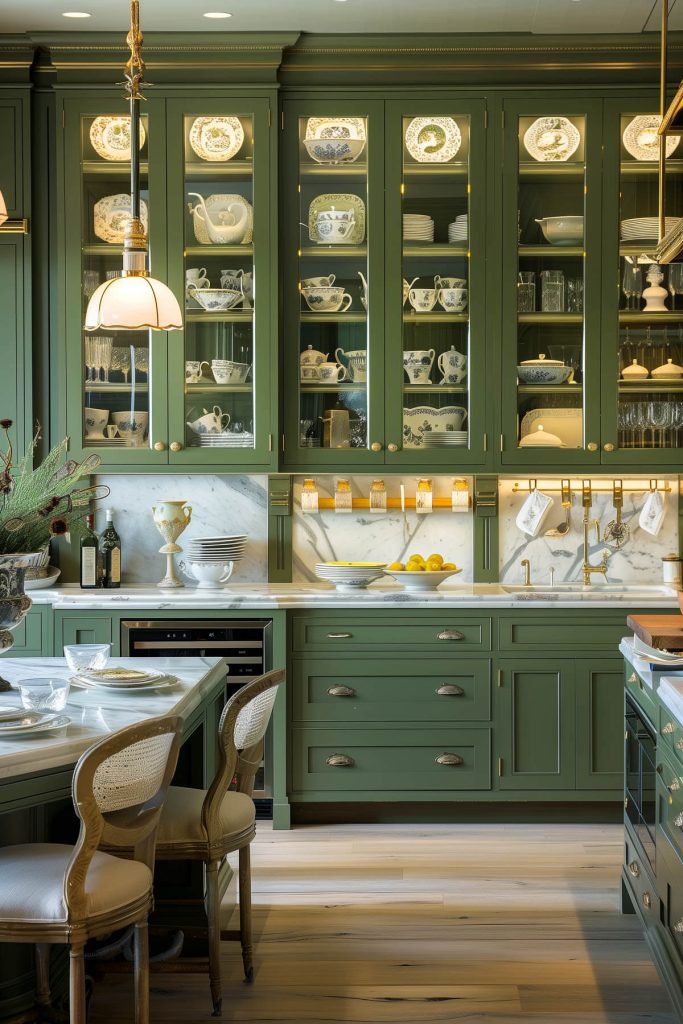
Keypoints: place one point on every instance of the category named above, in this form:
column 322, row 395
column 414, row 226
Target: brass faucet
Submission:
column 587, row 568
column 527, row 571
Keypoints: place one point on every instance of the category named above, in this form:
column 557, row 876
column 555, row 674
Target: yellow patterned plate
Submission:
column 110, row 137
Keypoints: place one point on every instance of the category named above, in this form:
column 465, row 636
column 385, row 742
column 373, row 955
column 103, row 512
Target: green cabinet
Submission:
column 599, row 728
column 33, row 636
column 203, row 397
column 79, row 628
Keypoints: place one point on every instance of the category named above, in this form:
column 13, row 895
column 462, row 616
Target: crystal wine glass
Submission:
column 632, row 285
column 142, row 360
column 105, row 353
column 89, row 356
column 120, row 361
column 660, row 420
column 675, row 281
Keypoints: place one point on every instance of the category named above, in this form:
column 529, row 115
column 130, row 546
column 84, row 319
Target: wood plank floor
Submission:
column 418, row 924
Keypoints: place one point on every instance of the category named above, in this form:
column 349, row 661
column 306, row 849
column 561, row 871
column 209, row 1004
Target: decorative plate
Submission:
column 110, row 137
column 340, row 201
column 567, row 424
column 641, row 139
column 216, row 138
column 111, row 215
column 433, row 140
column 552, row 139
column 335, row 128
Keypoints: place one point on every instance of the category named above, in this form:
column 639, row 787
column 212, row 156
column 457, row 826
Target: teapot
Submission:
column 214, row 422
column 311, row 357
column 233, row 221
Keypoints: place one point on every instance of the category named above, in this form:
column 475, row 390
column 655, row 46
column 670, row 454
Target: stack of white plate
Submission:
column 228, row 548
column 20, row 722
column 418, row 227
column 445, row 439
column 457, row 229
column 349, row 575
column 638, row 229
column 224, row 440
column 125, row 680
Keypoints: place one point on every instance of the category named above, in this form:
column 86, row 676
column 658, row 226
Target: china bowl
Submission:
column 334, row 151
column 226, row 371
column 421, row 580
column 215, row 299
column 131, row 425
column 208, row 575
column 323, row 299
column 540, row 371
column 562, row 230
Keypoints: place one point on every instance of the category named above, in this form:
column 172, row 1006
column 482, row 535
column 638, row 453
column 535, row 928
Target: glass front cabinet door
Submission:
column 643, row 309
column 550, row 323
column 203, row 395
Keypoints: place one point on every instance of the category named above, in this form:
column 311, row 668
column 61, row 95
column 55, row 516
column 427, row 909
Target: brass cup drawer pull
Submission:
column 339, row 636
column 647, row 900
column 450, row 634
column 450, row 690
column 450, row 759
column 340, row 761
column 633, row 678
column 634, row 868
column 678, row 820
column 668, row 729
column 341, row 691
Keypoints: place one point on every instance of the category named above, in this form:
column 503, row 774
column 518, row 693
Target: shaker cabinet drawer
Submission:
column 391, row 690
column 670, row 803
column 640, row 692
column 671, row 736
column 534, row 633
column 442, row 760
column 642, row 889
column 340, row 632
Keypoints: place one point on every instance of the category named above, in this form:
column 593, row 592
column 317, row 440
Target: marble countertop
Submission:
column 269, row 596
column 94, row 713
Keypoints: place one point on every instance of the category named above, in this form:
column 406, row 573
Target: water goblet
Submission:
column 142, row 360
column 104, row 358
column 120, row 361
column 89, row 358
column 675, row 281
column 632, row 284
column 660, row 420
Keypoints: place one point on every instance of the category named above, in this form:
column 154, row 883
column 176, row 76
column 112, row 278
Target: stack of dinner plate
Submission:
column 349, row 575
column 224, row 439
column 228, row 548
column 457, row 229
column 20, row 722
column 418, row 227
column 445, row 439
column 637, row 229
column 123, row 679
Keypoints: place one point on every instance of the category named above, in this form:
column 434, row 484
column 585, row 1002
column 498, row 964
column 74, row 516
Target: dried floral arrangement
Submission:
column 39, row 503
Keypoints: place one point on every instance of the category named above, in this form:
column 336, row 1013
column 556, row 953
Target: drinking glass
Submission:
column 142, row 360
column 660, row 420
column 676, row 420
column 675, row 281
column 120, row 361
column 552, row 291
column 526, row 292
column 89, row 356
column 104, row 355
column 91, row 280
column 44, row 693
column 575, row 295
column 632, row 284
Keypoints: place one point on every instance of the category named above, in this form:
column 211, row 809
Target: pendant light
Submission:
column 3, row 209
column 135, row 301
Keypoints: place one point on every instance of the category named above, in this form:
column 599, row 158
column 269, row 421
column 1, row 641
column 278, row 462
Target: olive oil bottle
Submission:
column 89, row 556
column 110, row 552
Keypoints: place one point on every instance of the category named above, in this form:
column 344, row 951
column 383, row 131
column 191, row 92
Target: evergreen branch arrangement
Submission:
column 39, row 503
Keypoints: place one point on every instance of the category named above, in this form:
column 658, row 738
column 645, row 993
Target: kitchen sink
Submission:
column 595, row 590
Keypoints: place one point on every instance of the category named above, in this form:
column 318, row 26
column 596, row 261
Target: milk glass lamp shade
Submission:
column 132, row 304
column 3, row 209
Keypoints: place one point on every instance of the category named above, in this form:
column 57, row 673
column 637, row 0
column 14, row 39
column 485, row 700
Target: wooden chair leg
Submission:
column 245, row 912
column 43, row 975
column 141, row 968
column 213, row 916
column 77, row 1009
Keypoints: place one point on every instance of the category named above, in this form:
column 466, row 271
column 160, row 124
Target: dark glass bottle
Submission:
column 89, row 556
column 110, row 551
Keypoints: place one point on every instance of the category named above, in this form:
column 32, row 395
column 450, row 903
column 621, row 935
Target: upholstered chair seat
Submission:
column 181, row 820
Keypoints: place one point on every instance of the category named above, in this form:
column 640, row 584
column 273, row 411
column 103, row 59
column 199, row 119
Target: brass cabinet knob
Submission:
column 340, row 761
column 634, row 868
column 341, row 691
column 647, row 900
column 376, row 446
column 450, row 759
column 450, row 690
column 176, row 446
column 159, row 446
column 392, row 447
column 592, row 446
column 608, row 447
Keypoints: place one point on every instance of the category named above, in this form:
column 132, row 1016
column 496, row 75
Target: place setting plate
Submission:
column 31, row 722
column 123, row 680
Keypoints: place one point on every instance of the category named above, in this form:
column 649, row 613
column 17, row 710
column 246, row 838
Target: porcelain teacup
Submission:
column 195, row 369
column 417, row 364
column 132, row 426
column 335, row 225
column 232, row 279
column 327, row 300
column 407, row 285
column 226, row 371
column 453, row 300
column 318, row 282
column 331, row 373
column 195, row 278
column 449, row 282
column 95, row 421
column 309, row 374
column 422, row 299
column 214, row 422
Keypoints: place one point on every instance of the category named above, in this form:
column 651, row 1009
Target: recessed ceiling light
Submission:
column 217, row 14
column 75, row 14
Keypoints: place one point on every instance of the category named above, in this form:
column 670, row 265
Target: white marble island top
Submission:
column 268, row 596
column 94, row 713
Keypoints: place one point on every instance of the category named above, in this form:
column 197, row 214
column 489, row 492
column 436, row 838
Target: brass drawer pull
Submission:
column 678, row 820
column 450, row 634
column 450, row 690
column 633, row 678
column 339, row 636
column 678, row 745
column 450, row 759
column 647, row 900
column 668, row 729
column 340, row 761
column 341, row 691
column 634, row 868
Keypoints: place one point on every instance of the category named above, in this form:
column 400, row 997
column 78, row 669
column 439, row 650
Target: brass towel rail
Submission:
column 633, row 486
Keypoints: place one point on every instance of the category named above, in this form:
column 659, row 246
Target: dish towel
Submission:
column 653, row 513
column 532, row 513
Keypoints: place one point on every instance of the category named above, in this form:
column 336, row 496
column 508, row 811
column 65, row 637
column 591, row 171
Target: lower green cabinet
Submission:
column 93, row 628
column 599, row 724
column 33, row 636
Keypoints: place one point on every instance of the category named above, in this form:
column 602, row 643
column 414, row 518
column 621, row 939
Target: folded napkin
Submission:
column 653, row 513
column 532, row 513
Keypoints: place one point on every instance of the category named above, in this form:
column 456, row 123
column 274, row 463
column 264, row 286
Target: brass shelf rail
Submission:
column 633, row 486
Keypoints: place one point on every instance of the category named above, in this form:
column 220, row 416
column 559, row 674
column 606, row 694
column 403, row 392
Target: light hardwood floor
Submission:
column 425, row 924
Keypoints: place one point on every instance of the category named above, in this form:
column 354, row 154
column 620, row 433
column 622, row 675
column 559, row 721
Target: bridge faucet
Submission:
column 527, row 571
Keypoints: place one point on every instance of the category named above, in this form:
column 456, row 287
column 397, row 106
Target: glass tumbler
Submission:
column 526, row 292
column 575, row 295
column 552, row 291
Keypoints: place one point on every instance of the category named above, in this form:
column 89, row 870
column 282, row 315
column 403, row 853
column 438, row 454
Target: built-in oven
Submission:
column 244, row 645
column 640, row 777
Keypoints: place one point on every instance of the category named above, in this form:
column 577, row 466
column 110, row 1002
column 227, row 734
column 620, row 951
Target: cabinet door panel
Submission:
column 83, row 629
column 599, row 724
column 535, row 724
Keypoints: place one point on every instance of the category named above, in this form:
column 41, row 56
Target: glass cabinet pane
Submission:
column 435, row 281
column 650, row 356
column 551, row 196
column 334, row 283
column 220, row 287
column 116, row 365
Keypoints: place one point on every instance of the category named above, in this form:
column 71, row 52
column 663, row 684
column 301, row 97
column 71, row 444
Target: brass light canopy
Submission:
column 135, row 301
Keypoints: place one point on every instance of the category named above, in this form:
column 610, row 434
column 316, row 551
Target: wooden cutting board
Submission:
column 662, row 631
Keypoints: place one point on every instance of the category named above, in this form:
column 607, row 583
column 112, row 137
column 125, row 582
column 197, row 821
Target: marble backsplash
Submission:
column 362, row 535
column 220, row 504
column 637, row 561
